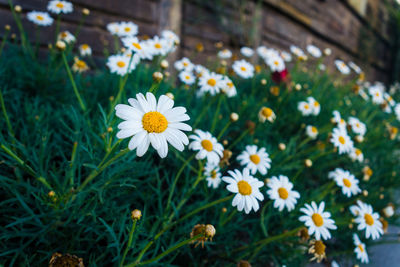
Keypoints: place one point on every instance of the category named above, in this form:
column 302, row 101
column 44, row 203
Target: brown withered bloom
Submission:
column 226, row 155
column 66, row 260
column 206, row 232
column 243, row 263
column 303, row 234
column 251, row 126
column 199, row 47
column 317, row 248
column 274, row 90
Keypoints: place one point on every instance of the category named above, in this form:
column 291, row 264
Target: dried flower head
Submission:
column 303, row 234
column 317, row 248
column 226, row 155
column 66, row 260
column 157, row 76
column 204, row 231
column 136, row 214
column 243, row 263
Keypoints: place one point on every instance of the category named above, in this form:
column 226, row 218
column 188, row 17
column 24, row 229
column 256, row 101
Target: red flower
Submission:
column 282, row 76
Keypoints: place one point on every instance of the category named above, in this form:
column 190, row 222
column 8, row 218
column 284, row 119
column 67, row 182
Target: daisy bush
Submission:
column 139, row 157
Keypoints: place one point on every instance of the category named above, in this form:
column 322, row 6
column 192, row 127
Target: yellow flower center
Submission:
column 60, row 5
column 137, row 45
column 39, row 17
column 319, row 247
column 121, row 64
column 154, row 122
column 127, row 29
column 211, row 82
column 213, row 174
column 158, row 46
column 85, row 46
column 255, row 158
column 185, row 64
column 346, row 182
column 314, row 129
column 243, row 68
column 229, row 84
column 81, row 64
column 361, row 248
column 306, row 106
column 64, row 35
column 377, row 94
column 368, row 219
column 207, row 145
column 341, row 121
column 283, row 193
column 244, row 188
column 358, row 152
column 187, row 77
column 316, row 104
column 276, row 63
column 342, row 140
column 266, row 112
column 317, row 219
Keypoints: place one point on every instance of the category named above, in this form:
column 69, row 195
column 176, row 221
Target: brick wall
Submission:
column 337, row 24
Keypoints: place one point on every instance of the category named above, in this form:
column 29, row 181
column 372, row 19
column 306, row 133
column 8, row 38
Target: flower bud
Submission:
column 170, row 95
column 308, row 163
column 157, row 76
column 18, row 9
column 282, row 146
column 164, row 64
column 234, row 117
column 136, row 214
column 85, row 12
column 7, row 27
column 60, row 45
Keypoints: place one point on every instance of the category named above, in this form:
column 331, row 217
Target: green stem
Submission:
column 3, row 108
column 165, row 253
column 19, row 26
column 239, row 138
column 203, row 112
column 71, row 78
column 3, row 43
column 101, row 167
column 224, row 129
column 71, row 164
column 216, row 114
column 178, row 174
column 128, row 246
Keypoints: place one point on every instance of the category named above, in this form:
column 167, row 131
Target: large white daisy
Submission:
column 149, row 121
column 207, row 145
column 211, row 83
column 141, row 48
column 255, row 159
column 317, row 220
column 357, row 126
column 275, row 63
column 243, row 69
column 246, row 188
column 57, row 7
column 341, row 140
column 367, row 219
column 346, row 181
column 122, row 64
column 187, row 77
column 40, row 18
column 127, row 28
column 184, row 64
column 280, row 190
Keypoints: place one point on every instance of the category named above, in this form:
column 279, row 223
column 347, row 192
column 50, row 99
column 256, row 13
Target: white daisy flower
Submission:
column 246, row 51
column 314, row 51
column 376, row 91
column 114, row 28
column 247, row 189
column 341, row 140
column 224, row 54
column 280, row 190
column 312, row 131
column 397, row 111
column 266, row 114
column 119, row 64
column 317, row 220
column 127, row 28
column 85, row 50
column 315, row 106
column 212, row 174
column 367, row 219
column 342, row 67
column 58, row 7
column 141, row 48
column 356, row 155
column 171, row 36
column 200, row 70
column 276, row 63
column 337, row 118
column 184, row 64
column 158, row 46
column 389, row 99
column 360, row 249
column 305, row 108
column 79, row 65
column 207, row 145
column 255, row 159
column 66, row 37
column 149, row 121
column 228, row 87
column 286, row 56
column 243, row 69
column 357, row 126
column 346, row 181
column 187, row 77
column 40, row 18
column 354, row 66
column 211, row 83
column 297, row 51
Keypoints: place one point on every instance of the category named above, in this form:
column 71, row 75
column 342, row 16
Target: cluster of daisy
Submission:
column 42, row 18
column 309, row 107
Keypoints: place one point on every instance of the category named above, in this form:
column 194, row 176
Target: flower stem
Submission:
column 224, row 129
column 71, row 78
column 3, row 43
column 216, row 114
column 128, row 246
column 3, row 108
column 239, row 138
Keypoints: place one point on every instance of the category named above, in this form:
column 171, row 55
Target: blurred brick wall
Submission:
column 363, row 38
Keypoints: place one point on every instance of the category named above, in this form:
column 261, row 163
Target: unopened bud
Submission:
column 136, row 214
column 157, row 76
